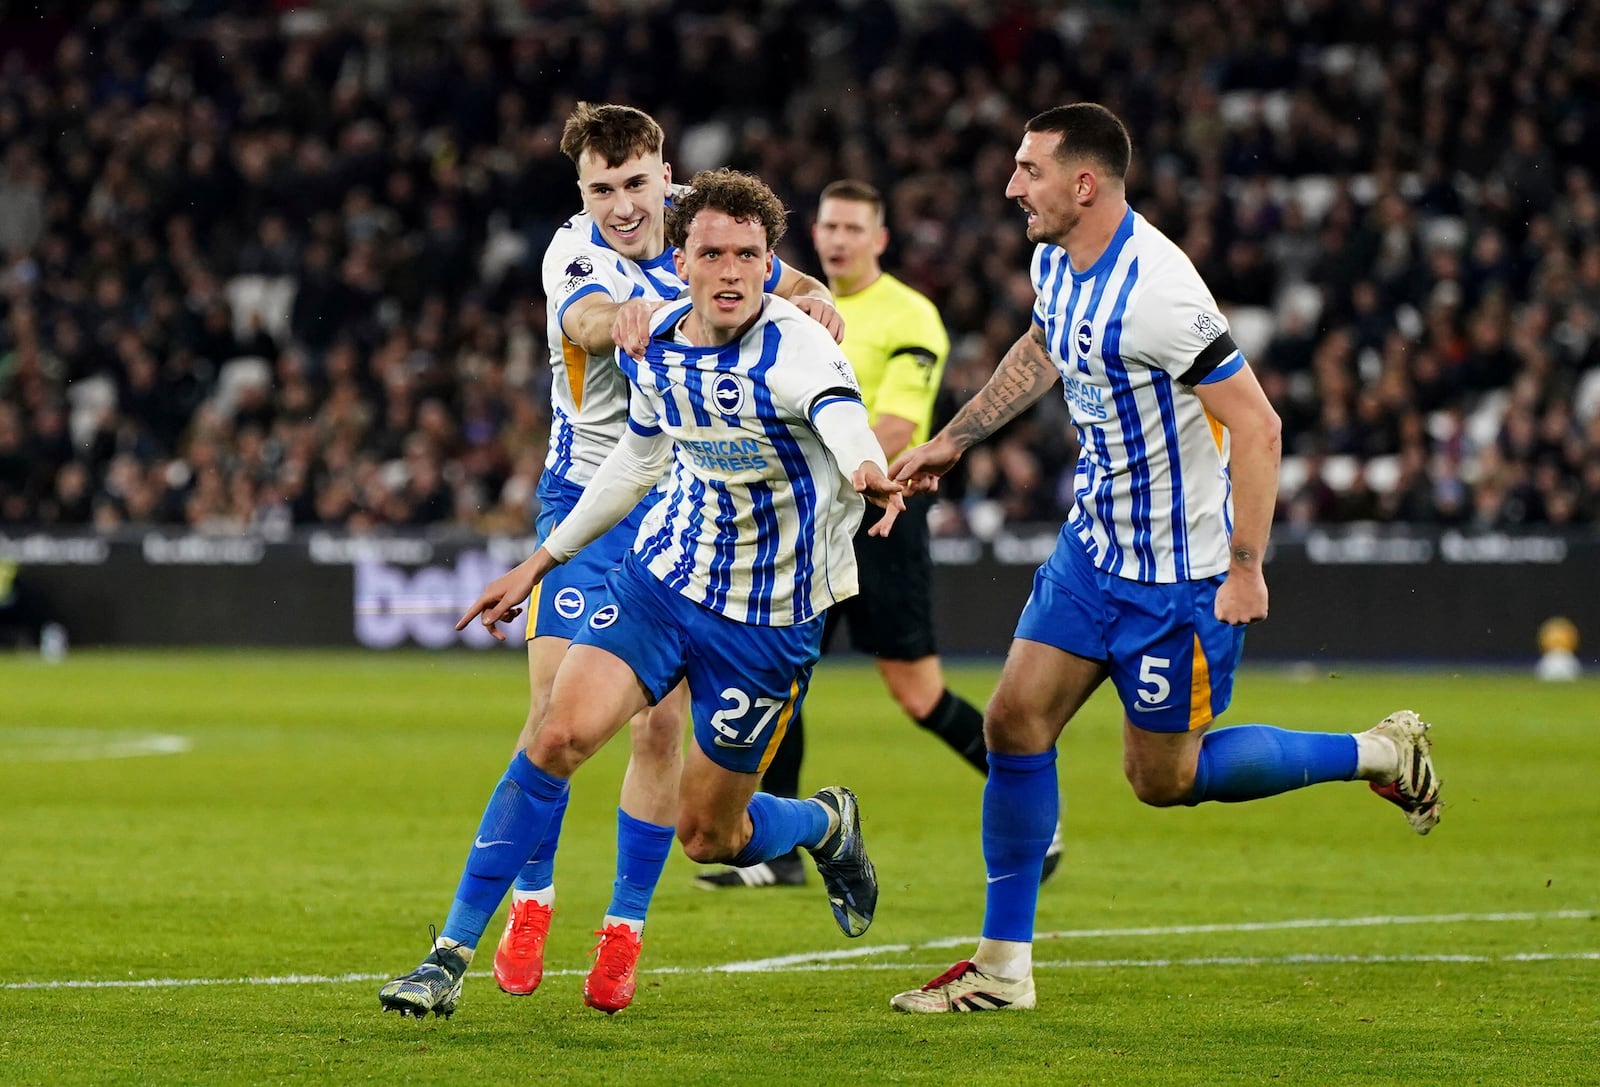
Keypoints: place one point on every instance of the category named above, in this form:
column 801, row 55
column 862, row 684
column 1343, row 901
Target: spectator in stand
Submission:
column 1429, row 253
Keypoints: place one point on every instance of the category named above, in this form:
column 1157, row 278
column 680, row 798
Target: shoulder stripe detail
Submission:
column 920, row 353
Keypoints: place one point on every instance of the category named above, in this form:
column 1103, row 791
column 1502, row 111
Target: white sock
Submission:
column 1377, row 758
column 1009, row 960
column 833, row 821
column 545, row 896
column 636, row 924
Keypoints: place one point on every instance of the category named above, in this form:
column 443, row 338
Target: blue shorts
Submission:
column 1171, row 659
column 572, row 591
column 746, row 682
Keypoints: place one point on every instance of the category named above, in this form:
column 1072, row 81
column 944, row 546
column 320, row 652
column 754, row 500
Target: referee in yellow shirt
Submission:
column 897, row 344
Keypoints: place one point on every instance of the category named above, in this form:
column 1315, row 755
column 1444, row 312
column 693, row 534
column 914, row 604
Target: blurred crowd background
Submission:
column 268, row 267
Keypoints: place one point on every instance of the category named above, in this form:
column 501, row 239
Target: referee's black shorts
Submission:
column 892, row 616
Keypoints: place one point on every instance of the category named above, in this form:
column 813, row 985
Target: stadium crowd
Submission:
column 261, row 272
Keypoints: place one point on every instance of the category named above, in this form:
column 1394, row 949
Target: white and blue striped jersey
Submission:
column 758, row 517
column 1131, row 336
column 588, row 395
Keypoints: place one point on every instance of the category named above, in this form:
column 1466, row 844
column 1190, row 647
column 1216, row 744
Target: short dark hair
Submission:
column 611, row 132
column 1091, row 131
column 744, row 197
column 858, row 191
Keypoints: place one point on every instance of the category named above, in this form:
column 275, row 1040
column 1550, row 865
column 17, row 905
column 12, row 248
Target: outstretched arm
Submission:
column 1255, row 447
column 623, row 478
column 1023, row 376
column 842, row 425
column 598, row 325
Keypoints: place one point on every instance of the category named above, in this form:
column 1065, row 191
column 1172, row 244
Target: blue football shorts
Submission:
column 746, row 683
column 1171, row 660
column 573, row 591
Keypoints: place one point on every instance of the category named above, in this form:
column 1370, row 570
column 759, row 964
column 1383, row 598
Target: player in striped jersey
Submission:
column 605, row 272
column 1158, row 570
column 756, row 412
column 896, row 343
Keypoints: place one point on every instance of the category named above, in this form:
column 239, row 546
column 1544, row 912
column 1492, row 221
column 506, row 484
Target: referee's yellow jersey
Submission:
column 896, row 342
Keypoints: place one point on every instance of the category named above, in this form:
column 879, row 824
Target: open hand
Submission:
column 630, row 329
column 823, row 312
column 502, row 600
column 919, row 469
column 877, row 488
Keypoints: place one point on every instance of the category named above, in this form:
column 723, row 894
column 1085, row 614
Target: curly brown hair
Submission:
column 614, row 133
column 741, row 196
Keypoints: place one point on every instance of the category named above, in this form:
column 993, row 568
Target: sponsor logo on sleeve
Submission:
column 1206, row 326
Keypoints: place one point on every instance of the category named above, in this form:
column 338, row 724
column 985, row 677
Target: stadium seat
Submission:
column 1314, row 193
column 1291, row 475
column 1483, row 424
column 1383, row 473
column 235, row 375
column 1444, row 232
column 90, row 398
column 270, row 298
column 1587, row 401
column 1304, row 299
column 1252, row 328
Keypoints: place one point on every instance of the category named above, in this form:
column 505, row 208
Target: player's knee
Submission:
column 1160, row 787
column 560, row 748
column 655, row 737
column 703, row 842
column 1012, row 730
column 915, row 702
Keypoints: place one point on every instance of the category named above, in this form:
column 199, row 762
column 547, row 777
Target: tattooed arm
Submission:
column 1023, row 376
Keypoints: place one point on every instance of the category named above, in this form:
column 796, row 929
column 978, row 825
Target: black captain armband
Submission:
column 923, row 356
column 1217, row 352
column 838, row 392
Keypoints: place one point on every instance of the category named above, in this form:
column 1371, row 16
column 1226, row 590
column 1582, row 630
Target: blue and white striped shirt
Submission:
column 758, row 519
column 1131, row 336
column 588, row 395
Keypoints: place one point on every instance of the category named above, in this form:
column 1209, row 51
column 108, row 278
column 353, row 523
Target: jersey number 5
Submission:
column 1159, row 688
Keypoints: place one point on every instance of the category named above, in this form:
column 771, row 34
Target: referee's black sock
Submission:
column 782, row 777
column 960, row 724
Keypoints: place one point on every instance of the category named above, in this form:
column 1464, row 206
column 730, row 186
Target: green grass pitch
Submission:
column 262, row 836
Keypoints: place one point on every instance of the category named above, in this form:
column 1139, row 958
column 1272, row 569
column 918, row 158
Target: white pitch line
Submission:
column 782, row 961
column 86, row 744
column 833, row 960
column 829, row 967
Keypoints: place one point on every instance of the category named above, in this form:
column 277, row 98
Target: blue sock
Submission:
column 540, row 871
column 1248, row 762
column 514, row 822
column 778, row 824
column 1021, row 803
column 642, row 850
